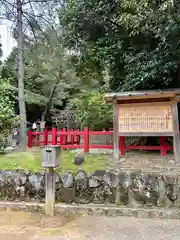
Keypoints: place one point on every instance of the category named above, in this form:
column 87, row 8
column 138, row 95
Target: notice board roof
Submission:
column 168, row 93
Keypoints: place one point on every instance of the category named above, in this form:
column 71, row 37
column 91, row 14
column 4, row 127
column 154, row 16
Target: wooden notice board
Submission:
column 145, row 113
column 145, row 117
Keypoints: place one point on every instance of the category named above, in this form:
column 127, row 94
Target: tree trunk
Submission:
column 43, row 117
column 21, row 97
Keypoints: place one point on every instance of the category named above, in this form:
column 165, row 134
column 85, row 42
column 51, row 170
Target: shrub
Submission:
column 7, row 115
column 92, row 110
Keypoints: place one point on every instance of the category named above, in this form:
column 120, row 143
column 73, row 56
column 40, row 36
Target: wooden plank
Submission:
column 176, row 137
column 122, row 145
column 145, row 134
column 146, row 100
column 163, row 146
column 50, row 192
column 145, row 117
column 146, row 97
column 169, row 93
column 115, row 132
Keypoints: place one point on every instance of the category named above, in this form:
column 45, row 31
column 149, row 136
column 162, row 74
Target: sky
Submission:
column 6, row 39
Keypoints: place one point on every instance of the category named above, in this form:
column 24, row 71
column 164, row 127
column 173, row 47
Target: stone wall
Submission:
column 135, row 189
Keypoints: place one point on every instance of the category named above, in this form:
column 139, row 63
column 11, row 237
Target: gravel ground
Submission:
column 20, row 226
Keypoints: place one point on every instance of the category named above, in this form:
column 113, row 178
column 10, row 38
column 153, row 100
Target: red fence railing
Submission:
column 72, row 140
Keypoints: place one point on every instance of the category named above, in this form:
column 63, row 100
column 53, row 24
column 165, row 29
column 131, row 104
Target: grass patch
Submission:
column 32, row 160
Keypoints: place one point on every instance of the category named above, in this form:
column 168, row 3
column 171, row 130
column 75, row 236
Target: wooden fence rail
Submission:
column 72, row 140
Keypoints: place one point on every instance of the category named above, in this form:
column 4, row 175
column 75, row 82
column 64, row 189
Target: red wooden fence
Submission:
column 71, row 140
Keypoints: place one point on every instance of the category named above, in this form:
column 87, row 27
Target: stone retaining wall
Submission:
column 133, row 189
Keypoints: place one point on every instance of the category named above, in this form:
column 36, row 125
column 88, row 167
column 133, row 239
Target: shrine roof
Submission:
column 167, row 93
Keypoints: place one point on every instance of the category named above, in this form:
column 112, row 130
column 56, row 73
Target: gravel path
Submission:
column 20, row 226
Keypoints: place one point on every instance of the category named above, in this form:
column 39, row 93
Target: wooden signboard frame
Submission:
column 151, row 113
column 145, row 119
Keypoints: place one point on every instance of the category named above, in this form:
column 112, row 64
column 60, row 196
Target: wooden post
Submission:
column 78, row 137
column 54, row 136
column 115, row 132
column 50, row 192
column 61, row 137
column 45, row 137
column 71, row 136
column 176, row 138
column 163, row 145
column 66, row 136
column 37, row 134
column 122, row 145
column 30, row 139
column 86, row 140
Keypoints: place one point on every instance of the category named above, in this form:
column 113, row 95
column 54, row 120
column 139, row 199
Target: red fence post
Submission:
column 64, row 137
column 30, row 139
column 72, row 136
column 37, row 135
column 54, row 136
column 78, row 137
column 122, row 145
column 45, row 137
column 61, row 137
column 163, row 146
column 86, row 140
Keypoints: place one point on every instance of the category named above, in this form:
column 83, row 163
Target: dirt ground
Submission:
column 30, row 226
column 145, row 160
column 23, row 225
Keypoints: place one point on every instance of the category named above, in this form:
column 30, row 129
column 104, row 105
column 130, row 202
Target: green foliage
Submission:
column 155, row 63
column 92, row 110
column 136, row 41
column 49, row 74
column 50, row 63
column 7, row 116
column 49, row 66
column 108, row 45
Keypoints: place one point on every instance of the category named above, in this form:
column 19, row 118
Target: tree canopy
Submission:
column 136, row 41
column 98, row 46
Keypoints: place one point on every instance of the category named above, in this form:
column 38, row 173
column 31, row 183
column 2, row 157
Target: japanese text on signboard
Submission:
column 145, row 117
